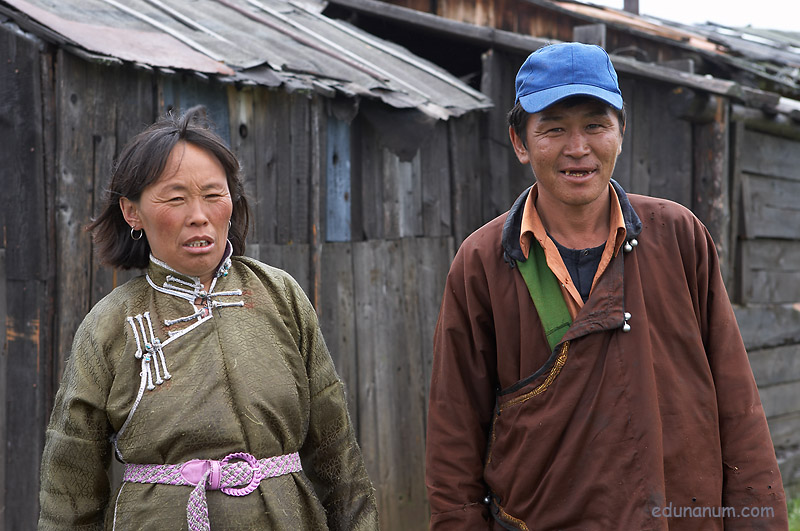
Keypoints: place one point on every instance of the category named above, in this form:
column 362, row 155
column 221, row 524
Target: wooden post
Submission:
column 734, row 283
column 317, row 184
column 590, row 34
column 711, row 202
column 632, row 6
column 503, row 178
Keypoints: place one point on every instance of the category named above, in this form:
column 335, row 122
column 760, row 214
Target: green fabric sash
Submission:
column 546, row 294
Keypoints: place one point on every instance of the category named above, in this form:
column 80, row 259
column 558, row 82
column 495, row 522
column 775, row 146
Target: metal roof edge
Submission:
column 405, row 95
column 525, row 44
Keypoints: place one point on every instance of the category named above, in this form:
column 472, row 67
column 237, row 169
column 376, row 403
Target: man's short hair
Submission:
column 518, row 116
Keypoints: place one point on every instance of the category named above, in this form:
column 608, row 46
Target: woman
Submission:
column 208, row 377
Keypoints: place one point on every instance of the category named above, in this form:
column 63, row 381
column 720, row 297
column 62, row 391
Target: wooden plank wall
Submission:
column 766, row 172
column 26, row 256
column 656, row 156
column 504, row 178
column 98, row 108
column 396, row 285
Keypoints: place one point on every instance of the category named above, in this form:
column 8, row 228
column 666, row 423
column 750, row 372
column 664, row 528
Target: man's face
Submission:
column 572, row 148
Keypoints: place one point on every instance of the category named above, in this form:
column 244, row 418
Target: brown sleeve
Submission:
column 751, row 476
column 461, row 398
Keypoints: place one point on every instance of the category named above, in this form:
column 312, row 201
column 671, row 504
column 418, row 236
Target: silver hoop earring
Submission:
column 229, row 224
column 139, row 237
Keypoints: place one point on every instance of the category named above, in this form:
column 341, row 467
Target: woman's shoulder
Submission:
column 103, row 328
column 117, row 305
column 284, row 291
column 270, row 276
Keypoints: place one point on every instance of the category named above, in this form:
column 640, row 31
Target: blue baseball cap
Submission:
column 559, row 71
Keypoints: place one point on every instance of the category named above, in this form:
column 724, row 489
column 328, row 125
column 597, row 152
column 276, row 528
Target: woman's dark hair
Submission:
column 518, row 117
column 140, row 164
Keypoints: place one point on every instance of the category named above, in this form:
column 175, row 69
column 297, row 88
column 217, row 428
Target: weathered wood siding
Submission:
column 26, row 294
column 767, row 187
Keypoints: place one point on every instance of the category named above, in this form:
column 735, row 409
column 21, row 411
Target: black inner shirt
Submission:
column 582, row 265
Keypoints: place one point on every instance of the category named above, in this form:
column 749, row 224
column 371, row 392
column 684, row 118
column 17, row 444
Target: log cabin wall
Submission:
column 766, row 223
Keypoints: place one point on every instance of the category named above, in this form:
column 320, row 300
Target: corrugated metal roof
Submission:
column 271, row 42
column 771, row 54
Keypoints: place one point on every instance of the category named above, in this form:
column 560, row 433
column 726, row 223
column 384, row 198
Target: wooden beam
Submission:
column 780, row 399
column 776, row 365
column 738, row 147
column 757, row 120
column 770, row 271
column 318, row 182
column 768, row 325
column 3, row 371
column 711, row 202
column 338, row 190
column 443, row 26
column 770, row 206
column 436, row 196
column 337, row 319
column 767, row 154
column 465, row 147
column 785, row 431
column 243, row 142
column 683, row 65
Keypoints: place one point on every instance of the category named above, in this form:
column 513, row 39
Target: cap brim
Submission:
column 539, row 101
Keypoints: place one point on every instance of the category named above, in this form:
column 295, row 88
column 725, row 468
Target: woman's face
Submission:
column 185, row 213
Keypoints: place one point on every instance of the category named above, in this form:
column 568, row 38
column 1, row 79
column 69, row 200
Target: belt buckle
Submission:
column 254, row 480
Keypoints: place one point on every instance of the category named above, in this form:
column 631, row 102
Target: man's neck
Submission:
column 576, row 226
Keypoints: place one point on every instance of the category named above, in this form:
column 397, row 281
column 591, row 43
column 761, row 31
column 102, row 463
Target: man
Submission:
column 588, row 370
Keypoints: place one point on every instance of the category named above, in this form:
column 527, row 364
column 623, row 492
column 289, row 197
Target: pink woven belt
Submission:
column 239, row 478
